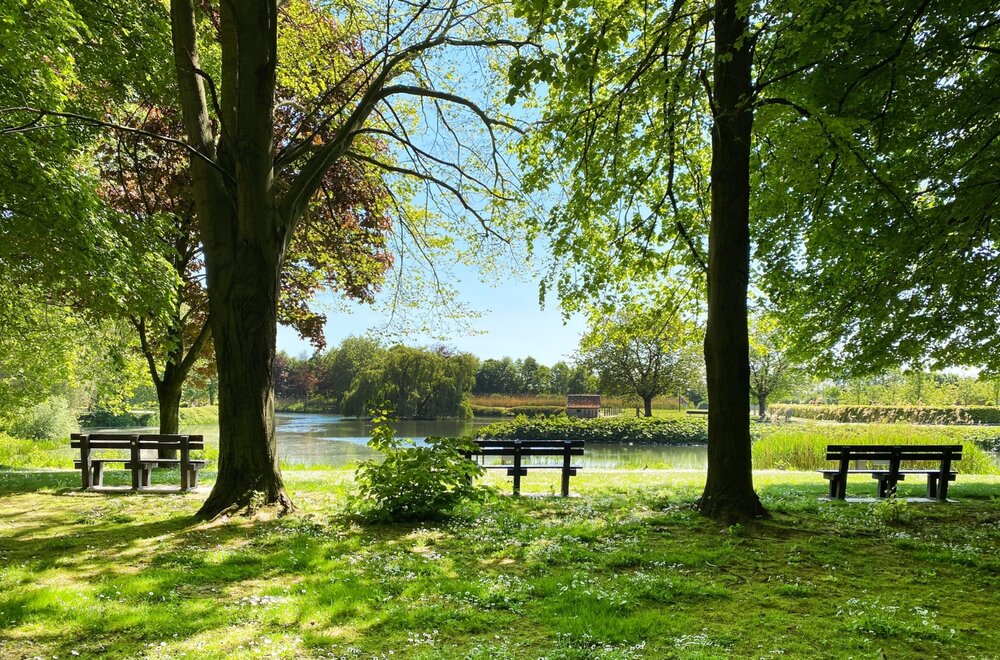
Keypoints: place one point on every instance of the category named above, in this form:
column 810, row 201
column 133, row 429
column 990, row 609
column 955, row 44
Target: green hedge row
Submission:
column 891, row 414
column 196, row 416
column 98, row 419
column 488, row 411
column 636, row 430
column 527, row 411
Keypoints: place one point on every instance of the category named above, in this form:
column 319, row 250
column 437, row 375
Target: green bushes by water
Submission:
column 890, row 414
column 641, row 430
column 197, row 416
column 105, row 419
column 52, row 418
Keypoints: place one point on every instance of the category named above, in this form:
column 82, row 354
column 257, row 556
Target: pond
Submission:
column 312, row 439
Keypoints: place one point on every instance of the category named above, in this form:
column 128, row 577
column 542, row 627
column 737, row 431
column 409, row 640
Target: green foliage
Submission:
column 634, row 430
column 50, row 419
column 879, row 243
column 535, row 411
column 193, row 416
column 488, row 411
column 34, row 454
column 415, row 483
column 889, row 414
column 892, row 511
column 642, row 347
column 418, row 383
column 100, row 419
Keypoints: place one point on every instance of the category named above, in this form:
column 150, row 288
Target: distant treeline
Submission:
column 420, row 383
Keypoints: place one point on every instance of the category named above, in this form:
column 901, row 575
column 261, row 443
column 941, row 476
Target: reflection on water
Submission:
column 310, row 439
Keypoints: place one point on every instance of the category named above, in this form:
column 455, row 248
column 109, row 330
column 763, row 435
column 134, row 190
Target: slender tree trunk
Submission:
column 729, row 494
column 761, row 406
column 168, row 397
column 647, row 405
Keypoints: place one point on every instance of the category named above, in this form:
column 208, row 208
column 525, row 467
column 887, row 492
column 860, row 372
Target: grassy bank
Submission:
column 802, row 446
column 628, row 570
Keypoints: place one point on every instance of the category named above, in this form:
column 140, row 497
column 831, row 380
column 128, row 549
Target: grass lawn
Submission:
column 625, row 570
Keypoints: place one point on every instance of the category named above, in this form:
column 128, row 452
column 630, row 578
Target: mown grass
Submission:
column 625, row 570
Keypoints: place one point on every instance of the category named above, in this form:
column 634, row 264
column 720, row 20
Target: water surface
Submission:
column 314, row 439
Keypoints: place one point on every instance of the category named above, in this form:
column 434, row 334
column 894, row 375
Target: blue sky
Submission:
column 511, row 323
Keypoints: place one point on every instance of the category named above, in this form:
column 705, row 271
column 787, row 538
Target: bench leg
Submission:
column 144, row 476
column 98, row 474
column 932, row 486
column 942, row 490
column 565, row 483
column 189, row 478
column 838, row 487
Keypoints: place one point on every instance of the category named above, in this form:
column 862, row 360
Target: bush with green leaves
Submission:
column 416, row 482
column 52, row 418
column 634, row 430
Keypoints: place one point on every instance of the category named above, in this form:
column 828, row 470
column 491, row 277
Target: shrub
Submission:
column 488, row 411
column 197, row 416
column 536, row 411
column 97, row 419
column 416, row 483
column 635, row 430
column 52, row 418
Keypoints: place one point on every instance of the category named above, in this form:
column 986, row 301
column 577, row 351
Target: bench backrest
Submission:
column 145, row 440
column 529, row 447
column 889, row 452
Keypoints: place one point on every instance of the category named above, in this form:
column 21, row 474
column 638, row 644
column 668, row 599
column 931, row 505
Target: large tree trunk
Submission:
column 729, row 494
column 647, row 405
column 244, row 316
column 243, row 237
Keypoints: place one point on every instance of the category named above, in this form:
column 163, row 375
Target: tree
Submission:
column 640, row 350
column 340, row 244
column 497, row 377
column 771, row 368
column 252, row 193
column 883, row 250
column 630, row 91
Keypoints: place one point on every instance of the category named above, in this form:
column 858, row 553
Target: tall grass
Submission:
column 514, row 400
column 803, row 446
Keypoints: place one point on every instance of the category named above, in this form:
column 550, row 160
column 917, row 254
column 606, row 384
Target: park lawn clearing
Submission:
column 624, row 570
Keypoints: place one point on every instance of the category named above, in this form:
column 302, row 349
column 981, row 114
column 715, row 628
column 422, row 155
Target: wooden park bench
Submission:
column 518, row 450
column 889, row 471
column 92, row 467
column 697, row 411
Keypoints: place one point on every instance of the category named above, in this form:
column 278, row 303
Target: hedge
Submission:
column 635, row 430
column 488, row 411
column 196, row 416
column 891, row 414
column 97, row 419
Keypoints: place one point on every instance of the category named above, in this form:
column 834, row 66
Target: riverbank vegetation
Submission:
column 781, row 446
column 628, row 570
